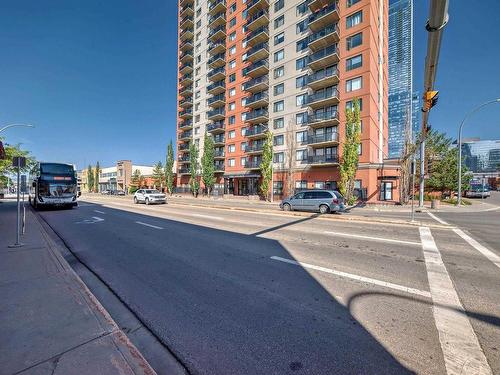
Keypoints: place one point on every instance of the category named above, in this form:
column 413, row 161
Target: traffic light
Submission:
column 430, row 100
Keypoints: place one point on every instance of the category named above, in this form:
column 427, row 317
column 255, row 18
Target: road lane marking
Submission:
column 368, row 280
column 148, row 225
column 482, row 249
column 373, row 238
column 206, row 216
column 441, row 221
column 461, row 350
column 100, row 212
column 93, row 220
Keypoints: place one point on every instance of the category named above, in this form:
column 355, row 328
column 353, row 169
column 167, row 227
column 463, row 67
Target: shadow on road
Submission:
column 218, row 301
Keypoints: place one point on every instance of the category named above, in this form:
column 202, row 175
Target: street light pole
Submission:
column 16, row 125
column 459, row 198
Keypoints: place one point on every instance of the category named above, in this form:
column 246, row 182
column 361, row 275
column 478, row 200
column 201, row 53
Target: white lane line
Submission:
column 441, row 221
column 100, row 212
column 148, row 225
column 363, row 279
column 482, row 249
column 461, row 350
column 373, row 238
column 97, row 219
column 206, row 216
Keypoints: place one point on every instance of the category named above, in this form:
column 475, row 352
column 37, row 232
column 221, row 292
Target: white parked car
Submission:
column 149, row 196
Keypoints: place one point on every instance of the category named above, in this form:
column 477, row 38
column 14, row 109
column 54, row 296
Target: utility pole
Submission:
column 438, row 18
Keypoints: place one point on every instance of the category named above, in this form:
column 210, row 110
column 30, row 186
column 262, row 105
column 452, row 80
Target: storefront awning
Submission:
column 244, row 175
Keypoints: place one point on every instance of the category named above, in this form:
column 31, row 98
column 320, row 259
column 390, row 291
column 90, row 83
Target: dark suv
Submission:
column 323, row 201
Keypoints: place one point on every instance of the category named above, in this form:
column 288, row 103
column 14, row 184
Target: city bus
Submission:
column 54, row 185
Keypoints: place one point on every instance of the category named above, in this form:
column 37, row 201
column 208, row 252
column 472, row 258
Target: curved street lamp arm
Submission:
column 16, row 125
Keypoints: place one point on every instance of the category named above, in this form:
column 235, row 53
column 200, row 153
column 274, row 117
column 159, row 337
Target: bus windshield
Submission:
column 58, row 189
column 54, row 168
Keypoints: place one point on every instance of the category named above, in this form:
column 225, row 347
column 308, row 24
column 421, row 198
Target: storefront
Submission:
column 241, row 184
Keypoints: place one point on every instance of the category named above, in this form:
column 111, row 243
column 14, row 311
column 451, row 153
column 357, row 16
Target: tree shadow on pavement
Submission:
column 218, row 301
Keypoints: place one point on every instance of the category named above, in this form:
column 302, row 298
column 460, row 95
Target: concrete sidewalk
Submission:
column 50, row 323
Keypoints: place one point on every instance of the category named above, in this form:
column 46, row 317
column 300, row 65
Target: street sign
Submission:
column 23, row 184
column 19, row 161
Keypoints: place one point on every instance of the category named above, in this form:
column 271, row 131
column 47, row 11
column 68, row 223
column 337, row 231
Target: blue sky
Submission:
column 98, row 78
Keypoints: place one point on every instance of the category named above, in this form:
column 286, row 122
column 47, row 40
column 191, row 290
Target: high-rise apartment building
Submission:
column 290, row 67
column 401, row 118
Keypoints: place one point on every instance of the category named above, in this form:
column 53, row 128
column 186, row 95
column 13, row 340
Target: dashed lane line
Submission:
column 100, row 212
column 148, row 225
column 381, row 239
column 461, row 350
column 351, row 276
column 482, row 249
column 206, row 216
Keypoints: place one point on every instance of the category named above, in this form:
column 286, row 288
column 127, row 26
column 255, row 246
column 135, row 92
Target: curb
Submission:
column 139, row 364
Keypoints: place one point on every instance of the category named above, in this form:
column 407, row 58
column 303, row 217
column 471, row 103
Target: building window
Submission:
column 279, row 106
column 232, row 92
column 280, row 21
column 232, row 50
column 232, row 77
column 301, row 136
column 232, row 22
column 231, row 162
column 232, row 64
column 280, row 38
column 280, row 55
column 360, row 149
column 278, row 140
column 278, row 187
column 243, row 131
column 319, row 184
column 349, row 104
column 354, row 41
column 278, row 157
column 231, row 134
column 232, row 36
column 279, row 5
column 301, row 118
column 243, row 161
column 353, row 84
column 301, row 81
column 302, row 8
column 300, row 100
column 302, row 26
column 301, row 155
column 279, row 72
column 243, row 146
column 301, row 63
column 354, row 62
column 232, row 120
column 279, row 89
column 279, row 123
column 231, row 148
column 354, row 19
column 350, row 3
column 196, row 131
column 302, row 44
column 232, row 8
column 232, row 106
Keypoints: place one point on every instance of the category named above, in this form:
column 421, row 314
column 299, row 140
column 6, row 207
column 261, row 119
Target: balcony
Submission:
column 185, row 136
column 324, row 17
column 256, row 84
column 258, row 20
column 257, row 36
column 326, row 139
column 253, row 164
column 216, row 48
column 219, row 140
column 184, row 171
column 257, row 116
column 187, row 22
column 256, row 131
column 216, row 127
column 186, row 34
column 186, row 114
column 183, row 147
column 186, row 103
column 323, row 58
column 186, row 11
column 216, row 114
column 219, row 167
column 219, row 153
column 256, row 69
column 217, row 74
column 217, row 87
column 186, row 68
column 323, row 98
column 184, row 3
column 323, row 78
column 186, row 46
column 323, row 160
column 217, row 61
column 186, row 57
column 258, row 52
column 257, row 100
column 217, row 100
column 186, row 91
column 217, row 33
column 323, row 118
column 216, row 6
column 186, row 125
column 256, row 5
column 217, row 19
column 186, row 80
column 323, row 38
column 183, row 158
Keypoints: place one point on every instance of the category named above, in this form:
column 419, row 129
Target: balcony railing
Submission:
column 323, row 159
column 215, row 85
column 321, row 54
column 218, row 125
column 219, row 167
column 218, row 112
column 253, row 164
column 322, row 33
column 330, row 92
column 217, row 98
column 219, row 154
column 326, row 137
column 183, row 147
column 186, row 102
column 255, row 82
column 322, row 116
column 264, row 30
column 255, row 147
column 256, row 16
column 256, row 65
column 322, row 74
column 221, row 56
column 186, row 124
column 323, row 12
column 216, row 3
column 184, row 171
column 219, row 70
column 183, row 158
column 221, row 28
column 185, row 135
column 219, row 139
column 264, row 47
column 211, row 19
column 252, row 115
column 256, row 130
column 186, row 112
column 257, row 98
column 218, row 45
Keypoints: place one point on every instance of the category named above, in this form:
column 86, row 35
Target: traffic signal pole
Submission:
column 438, row 18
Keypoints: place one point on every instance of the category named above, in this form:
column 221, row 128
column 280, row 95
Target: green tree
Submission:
column 266, row 166
column 137, row 181
column 97, row 173
column 169, row 168
column 443, row 174
column 90, row 179
column 194, row 181
column 158, row 175
column 208, row 163
column 6, row 164
column 350, row 155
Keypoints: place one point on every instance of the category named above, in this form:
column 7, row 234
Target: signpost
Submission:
column 18, row 162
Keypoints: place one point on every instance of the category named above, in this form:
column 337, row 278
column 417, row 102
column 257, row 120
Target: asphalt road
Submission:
column 239, row 292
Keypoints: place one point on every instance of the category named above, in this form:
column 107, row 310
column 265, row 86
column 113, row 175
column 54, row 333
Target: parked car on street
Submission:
column 478, row 191
column 324, row 201
column 120, row 192
column 149, row 196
